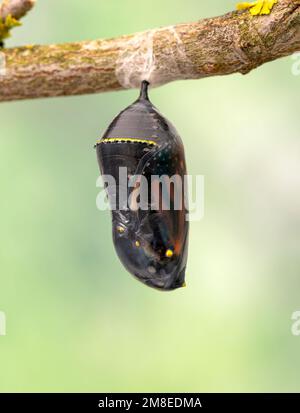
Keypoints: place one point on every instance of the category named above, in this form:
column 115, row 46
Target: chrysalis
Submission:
column 142, row 150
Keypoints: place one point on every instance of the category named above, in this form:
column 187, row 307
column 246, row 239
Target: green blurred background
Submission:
column 76, row 321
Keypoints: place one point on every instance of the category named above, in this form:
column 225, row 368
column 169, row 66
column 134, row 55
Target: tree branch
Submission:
column 234, row 43
column 16, row 8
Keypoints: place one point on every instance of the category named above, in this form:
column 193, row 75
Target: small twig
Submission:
column 10, row 13
column 15, row 8
column 234, row 43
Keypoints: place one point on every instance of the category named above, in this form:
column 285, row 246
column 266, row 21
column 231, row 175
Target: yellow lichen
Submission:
column 6, row 25
column 257, row 7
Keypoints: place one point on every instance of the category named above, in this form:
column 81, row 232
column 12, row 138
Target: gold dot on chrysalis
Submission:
column 137, row 244
column 121, row 230
column 169, row 253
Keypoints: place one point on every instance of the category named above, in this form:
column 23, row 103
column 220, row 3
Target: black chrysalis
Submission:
column 151, row 243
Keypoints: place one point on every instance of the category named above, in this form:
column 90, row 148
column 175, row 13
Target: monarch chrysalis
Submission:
column 151, row 243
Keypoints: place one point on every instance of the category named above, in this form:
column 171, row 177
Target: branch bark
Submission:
column 16, row 8
column 234, row 43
